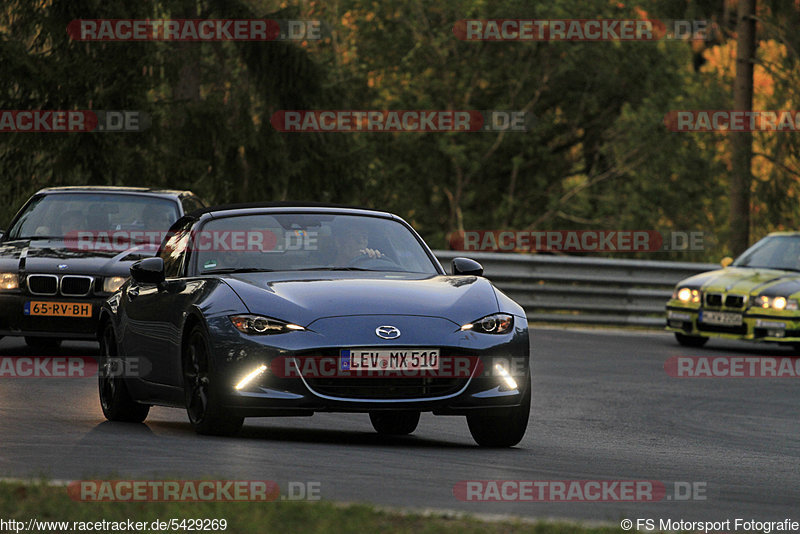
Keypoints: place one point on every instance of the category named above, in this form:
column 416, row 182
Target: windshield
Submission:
column 774, row 252
column 60, row 215
column 302, row 241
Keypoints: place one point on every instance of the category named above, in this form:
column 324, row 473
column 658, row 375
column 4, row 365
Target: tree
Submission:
column 742, row 142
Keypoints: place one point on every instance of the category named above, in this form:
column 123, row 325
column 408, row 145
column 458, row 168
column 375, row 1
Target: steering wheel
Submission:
column 364, row 257
column 361, row 258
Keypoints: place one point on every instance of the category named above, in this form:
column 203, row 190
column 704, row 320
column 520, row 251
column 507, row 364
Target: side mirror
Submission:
column 2, row 233
column 727, row 260
column 148, row 271
column 466, row 266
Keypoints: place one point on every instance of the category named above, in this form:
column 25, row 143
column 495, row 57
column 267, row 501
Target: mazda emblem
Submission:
column 387, row 332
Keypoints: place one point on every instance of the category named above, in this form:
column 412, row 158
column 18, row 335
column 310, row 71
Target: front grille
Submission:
column 387, row 388
column 51, row 284
column 734, row 301
column 43, row 284
column 716, row 300
column 75, row 286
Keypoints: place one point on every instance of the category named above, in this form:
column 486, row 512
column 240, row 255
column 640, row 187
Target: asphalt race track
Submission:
column 603, row 408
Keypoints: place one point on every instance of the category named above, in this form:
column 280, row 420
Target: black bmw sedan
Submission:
column 288, row 310
column 69, row 248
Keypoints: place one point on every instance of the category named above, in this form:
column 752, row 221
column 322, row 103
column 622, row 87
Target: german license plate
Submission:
column 58, row 309
column 720, row 318
column 389, row 360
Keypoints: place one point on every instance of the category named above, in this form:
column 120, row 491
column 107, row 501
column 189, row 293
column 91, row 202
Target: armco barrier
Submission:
column 598, row 291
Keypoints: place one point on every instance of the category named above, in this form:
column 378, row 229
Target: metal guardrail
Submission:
column 581, row 290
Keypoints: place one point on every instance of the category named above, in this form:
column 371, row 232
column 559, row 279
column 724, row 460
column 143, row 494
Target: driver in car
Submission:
column 72, row 221
column 352, row 243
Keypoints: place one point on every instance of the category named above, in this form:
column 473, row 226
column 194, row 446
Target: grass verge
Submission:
column 22, row 502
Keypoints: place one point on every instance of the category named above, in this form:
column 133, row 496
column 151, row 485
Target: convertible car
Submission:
column 69, row 248
column 288, row 310
column 755, row 298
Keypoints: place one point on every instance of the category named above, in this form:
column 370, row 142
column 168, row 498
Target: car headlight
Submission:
column 9, row 281
column 687, row 295
column 112, row 283
column 776, row 303
column 258, row 325
column 497, row 323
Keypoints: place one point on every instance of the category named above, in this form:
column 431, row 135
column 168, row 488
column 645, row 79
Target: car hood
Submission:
column 44, row 256
column 746, row 281
column 305, row 297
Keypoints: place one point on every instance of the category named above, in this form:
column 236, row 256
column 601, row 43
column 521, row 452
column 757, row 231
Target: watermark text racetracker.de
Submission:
column 576, row 241
column 196, row 30
column 401, row 121
column 223, row 240
column 732, row 367
column 47, row 367
column 71, row 367
column 396, row 363
column 732, row 121
column 728, row 525
column 578, row 491
column 583, row 30
column 192, row 491
column 72, row 121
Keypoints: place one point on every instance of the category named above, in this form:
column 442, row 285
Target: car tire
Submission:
column 502, row 427
column 115, row 399
column 394, row 423
column 44, row 344
column 201, row 390
column 690, row 341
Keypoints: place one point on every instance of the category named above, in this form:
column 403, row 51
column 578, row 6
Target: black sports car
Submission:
column 274, row 310
column 69, row 248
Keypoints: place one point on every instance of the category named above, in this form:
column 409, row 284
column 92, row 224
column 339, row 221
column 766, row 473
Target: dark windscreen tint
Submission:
column 58, row 215
column 775, row 252
column 303, row 241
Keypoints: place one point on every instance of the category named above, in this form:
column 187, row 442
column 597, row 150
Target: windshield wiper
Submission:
column 237, row 270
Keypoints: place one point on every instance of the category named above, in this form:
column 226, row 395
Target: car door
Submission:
column 151, row 315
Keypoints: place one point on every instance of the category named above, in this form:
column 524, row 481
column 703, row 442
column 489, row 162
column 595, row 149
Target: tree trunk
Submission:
column 742, row 142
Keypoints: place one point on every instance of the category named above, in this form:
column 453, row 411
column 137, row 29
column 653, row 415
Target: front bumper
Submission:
column 757, row 324
column 14, row 322
column 274, row 393
column 276, row 396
